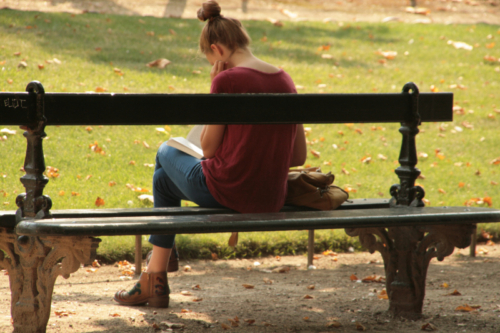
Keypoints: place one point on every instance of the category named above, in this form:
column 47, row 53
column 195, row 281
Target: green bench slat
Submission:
column 8, row 218
column 349, row 218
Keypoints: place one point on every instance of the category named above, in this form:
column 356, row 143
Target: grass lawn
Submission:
column 89, row 52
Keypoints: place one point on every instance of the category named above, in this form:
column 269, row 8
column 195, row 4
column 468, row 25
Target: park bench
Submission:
column 40, row 244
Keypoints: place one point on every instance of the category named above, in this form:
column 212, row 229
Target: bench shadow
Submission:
column 282, row 305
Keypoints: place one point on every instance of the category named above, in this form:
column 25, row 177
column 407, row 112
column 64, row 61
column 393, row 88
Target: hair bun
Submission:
column 209, row 10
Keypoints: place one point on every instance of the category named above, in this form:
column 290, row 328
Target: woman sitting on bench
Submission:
column 246, row 166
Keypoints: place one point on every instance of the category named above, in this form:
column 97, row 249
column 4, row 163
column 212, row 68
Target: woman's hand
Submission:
column 219, row 66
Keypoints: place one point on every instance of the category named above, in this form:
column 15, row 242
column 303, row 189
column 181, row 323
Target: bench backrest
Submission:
column 173, row 109
column 37, row 109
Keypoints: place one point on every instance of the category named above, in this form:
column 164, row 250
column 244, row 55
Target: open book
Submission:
column 190, row 145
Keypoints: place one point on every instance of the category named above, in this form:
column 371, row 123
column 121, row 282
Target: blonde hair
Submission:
column 219, row 29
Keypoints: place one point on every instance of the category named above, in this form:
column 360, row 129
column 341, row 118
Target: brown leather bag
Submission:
column 312, row 188
column 309, row 188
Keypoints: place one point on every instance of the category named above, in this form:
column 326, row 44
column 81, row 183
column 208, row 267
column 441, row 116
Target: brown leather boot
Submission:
column 152, row 288
column 173, row 262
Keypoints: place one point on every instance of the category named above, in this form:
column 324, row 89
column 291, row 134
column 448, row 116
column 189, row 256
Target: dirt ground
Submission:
column 278, row 301
column 441, row 11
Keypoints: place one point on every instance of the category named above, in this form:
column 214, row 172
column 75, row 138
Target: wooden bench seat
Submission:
column 232, row 222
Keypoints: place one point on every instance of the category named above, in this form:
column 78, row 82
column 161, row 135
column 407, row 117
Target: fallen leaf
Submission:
column 334, row 323
column 267, row 281
column 225, row 327
column 311, row 286
column 143, row 197
column 445, row 285
column 383, row 294
column 249, row 321
column 196, row 287
column 197, row 299
column 454, row 293
column 308, row 297
column 389, row 55
column 248, row 286
column 353, row 277
column 75, row 194
column 429, row 327
column 281, row 269
column 99, row 202
column 467, row 308
column 61, row 193
column 115, row 315
column 275, row 22
column 374, row 278
column 460, row 45
column 315, row 153
column 360, row 327
column 306, row 319
column 100, row 89
column 215, row 256
column 186, row 293
column 186, row 311
column 461, row 184
column 159, row 63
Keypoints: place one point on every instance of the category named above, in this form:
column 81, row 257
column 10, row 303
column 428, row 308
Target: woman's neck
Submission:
column 240, row 57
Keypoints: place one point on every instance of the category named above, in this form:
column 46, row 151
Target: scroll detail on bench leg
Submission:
column 33, row 265
column 407, row 252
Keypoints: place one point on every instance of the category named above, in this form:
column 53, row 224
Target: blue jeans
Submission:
column 178, row 176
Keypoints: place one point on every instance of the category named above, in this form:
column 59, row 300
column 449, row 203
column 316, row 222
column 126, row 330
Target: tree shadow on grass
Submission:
column 130, row 42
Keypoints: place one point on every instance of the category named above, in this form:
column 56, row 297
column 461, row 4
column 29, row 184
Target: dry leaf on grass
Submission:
column 248, row 286
column 225, row 327
column 197, row 299
column 249, row 321
column 311, row 286
column 353, row 277
column 159, row 63
column 308, row 297
column 196, row 287
column 275, row 22
column 99, row 202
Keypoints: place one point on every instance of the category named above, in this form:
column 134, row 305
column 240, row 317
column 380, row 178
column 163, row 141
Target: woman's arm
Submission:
column 211, row 138
column 299, row 148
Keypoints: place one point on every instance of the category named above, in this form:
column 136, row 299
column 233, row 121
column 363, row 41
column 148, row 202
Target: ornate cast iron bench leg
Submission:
column 407, row 251
column 33, row 264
